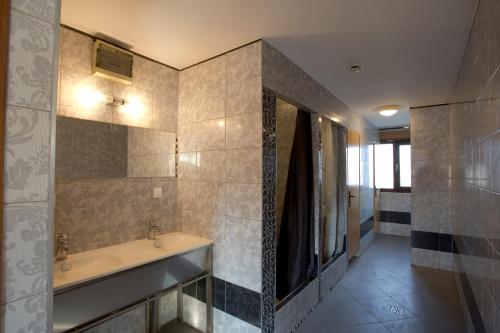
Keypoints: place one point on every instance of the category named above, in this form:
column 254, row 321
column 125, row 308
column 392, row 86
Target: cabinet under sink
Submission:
column 94, row 286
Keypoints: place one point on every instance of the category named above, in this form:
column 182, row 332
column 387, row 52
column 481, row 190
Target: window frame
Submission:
column 395, row 166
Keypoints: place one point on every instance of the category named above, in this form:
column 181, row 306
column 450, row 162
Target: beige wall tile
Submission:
column 244, row 165
column 212, row 73
column 186, row 166
column 210, row 135
column 211, row 103
column 244, row 200
column 188, row 82
column 244, row 131
column 210, row 197
column 244, row 63
column 188, row 106
column 76, row 51
column 187, row 137
column 186, row 195
column 244, row 96
column 211, row 165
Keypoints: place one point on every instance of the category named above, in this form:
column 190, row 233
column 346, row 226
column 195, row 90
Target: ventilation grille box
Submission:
column 111, row 62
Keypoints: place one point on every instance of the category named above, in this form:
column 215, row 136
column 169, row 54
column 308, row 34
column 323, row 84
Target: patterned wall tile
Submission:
column 186, row 221
column 244, row 200
column 26, row 315
column 73, row 89
column 25, row 245
column 186, row 137
column 243, row 270
column 211, row 103
column 243, row 236
column 244, row 131
column 186, row 195
column 212, row 73
column 31, row 53
column 138, row 109
column 210, row 197
column 244, row 165
column 26, row 155
column 210, row 135
column 396, row 202
column 233, row 324
column 43, row 10
column 76, row 51
column 244, row 96
column 186, row 166
column 187, row 109
column 188, row 83
column 144, row 72
column 212, row 226
column 244, row 63
column 129, row 210
column 164, row 111
column 211, row 165
column 82, row 213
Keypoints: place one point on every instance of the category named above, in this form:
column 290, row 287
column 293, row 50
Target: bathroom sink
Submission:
column 76, row 266
column 85, row 266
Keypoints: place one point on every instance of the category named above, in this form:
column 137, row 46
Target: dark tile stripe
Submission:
column 395, row 217
column 366, row 227
column 475, row 314
column 243, row 303
column 432, row 241
column 219, row 293
column 237, row 301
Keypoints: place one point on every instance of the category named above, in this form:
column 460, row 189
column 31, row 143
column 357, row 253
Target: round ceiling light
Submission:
column 389, row 110
column 355, row 68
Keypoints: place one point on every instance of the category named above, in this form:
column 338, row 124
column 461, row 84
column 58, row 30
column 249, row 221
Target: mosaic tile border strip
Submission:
column 269, row 176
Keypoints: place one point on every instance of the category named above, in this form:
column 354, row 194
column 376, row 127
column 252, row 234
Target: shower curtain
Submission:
column 329, row 189
column 295, row 251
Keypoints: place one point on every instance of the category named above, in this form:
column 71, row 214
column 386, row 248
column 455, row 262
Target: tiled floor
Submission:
column 382, row 293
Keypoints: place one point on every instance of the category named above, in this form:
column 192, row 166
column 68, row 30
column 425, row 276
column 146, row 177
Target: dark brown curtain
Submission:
column 295, row 252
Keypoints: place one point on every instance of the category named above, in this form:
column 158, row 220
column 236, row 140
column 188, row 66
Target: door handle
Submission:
column 350, row 196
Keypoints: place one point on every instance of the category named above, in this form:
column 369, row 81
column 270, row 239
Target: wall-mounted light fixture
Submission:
column 88, row 97
column 114, row 101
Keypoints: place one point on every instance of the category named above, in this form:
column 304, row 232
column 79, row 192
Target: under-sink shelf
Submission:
column 178, row 326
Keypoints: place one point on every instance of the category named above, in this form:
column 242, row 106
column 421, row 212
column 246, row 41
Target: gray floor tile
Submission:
column 426, row 325
column 385, row 309
column 381, row 292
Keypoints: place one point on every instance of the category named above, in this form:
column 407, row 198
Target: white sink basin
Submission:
column 89, row 265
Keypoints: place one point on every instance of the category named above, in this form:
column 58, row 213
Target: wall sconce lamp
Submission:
column 115, row 101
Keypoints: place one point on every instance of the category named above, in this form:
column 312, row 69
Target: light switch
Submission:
column 157, row 192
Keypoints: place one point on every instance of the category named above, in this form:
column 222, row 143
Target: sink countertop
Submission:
column 93, row 264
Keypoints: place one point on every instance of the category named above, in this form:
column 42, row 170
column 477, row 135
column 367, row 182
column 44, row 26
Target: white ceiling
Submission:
column 410, row 49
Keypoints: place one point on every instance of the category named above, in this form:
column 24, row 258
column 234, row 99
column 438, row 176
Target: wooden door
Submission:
column 353, row 213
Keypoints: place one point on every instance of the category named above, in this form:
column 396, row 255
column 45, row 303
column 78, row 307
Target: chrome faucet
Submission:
column 154, row 229
column 62, row 247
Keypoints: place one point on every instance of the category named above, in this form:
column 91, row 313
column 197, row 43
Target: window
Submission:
column 393, row 166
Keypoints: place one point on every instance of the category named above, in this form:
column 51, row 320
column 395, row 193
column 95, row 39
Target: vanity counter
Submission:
column 99, row 263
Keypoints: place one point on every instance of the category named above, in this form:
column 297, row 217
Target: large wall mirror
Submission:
column 89, row 149
column 111, row 180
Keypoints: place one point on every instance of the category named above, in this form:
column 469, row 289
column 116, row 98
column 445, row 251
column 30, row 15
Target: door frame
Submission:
column 353, row 226
column 4, row 57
